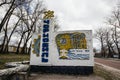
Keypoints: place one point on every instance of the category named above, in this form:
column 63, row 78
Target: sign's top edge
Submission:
column 74, row 30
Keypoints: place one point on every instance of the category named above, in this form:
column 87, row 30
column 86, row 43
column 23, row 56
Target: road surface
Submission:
column 109, row 62
column 63, row 77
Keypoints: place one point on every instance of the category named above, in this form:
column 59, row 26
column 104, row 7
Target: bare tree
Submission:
column 12, row 6
column 30, row 21
column 114, row 21
column 8, row 14
column 5, row 36
column 5, row 2
column 100, row 35
column 109, row 42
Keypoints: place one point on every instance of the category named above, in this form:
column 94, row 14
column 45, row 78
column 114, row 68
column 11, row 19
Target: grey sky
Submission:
column 81, row 14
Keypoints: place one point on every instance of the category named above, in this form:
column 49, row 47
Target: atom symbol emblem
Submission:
column 48, row 14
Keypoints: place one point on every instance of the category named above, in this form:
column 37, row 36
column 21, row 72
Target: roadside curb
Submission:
column 107, row 72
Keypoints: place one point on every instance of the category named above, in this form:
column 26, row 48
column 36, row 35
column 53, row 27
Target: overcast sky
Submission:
column 81, row 14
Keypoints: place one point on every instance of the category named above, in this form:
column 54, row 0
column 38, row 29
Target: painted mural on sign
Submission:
column 36, row 45
column 72, row 46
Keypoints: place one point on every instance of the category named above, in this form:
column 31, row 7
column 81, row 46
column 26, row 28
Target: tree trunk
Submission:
column 7, row 15
column 3, row 49
column 110, row 55
column 28, row 36
column 102, row 49
column 6, row 44
column 29, row 50
column 25, row 45
column 17, row 51
column 119, row 55
column 2, row 46
column 6, row 47
column 118, row 50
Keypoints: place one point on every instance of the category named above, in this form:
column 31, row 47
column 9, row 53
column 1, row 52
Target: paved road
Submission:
column 109, row 62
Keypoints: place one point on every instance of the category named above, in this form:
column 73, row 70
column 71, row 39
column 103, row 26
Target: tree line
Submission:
column 22, row 17
column 109, row 35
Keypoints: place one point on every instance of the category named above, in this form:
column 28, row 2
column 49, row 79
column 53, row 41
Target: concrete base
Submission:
column 83, row 70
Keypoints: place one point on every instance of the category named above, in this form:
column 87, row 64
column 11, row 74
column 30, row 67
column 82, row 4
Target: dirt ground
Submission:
column 63, row 77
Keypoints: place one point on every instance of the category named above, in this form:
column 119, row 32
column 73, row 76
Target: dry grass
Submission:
column 4, row 58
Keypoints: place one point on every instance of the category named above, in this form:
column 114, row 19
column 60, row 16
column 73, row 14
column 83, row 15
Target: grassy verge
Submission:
column 4, row 58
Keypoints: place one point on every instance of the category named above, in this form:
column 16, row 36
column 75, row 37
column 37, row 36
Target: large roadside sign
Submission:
column 62, row 48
